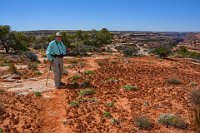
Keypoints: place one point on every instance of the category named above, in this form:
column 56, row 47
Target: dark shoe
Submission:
column 59, row 87
column 62, row 84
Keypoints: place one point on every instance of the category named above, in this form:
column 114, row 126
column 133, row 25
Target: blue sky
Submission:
column 130, row 15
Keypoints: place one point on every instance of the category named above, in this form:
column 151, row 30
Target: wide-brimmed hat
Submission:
column 58, row 34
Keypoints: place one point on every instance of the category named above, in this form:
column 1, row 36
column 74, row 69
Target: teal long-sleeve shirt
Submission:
column 55, row 49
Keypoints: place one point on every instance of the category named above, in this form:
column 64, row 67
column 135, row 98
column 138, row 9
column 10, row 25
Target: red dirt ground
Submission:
column 154, row 97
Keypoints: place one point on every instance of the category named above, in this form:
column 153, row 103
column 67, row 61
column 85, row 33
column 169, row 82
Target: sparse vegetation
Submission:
column 38, row 94
column 75, row 77
column 130, row 87
column 143, row 122
column 74, row 104
column 37, row 73
column 162, row 51
column 2, row 91
column 12, row 68
column 112, row 80
column 130, row 52
column 86, row 92
column 101, row 63
column 107, row 114
column 89, row 72
column 115, row 121
column 194, row 84
column 173, row 81
column 31, row 56
column 195, row 96
column 109, row 104
column 197, row 118
column 172, row 120
column 2, row 109
column 184, row 52
column 33, row 66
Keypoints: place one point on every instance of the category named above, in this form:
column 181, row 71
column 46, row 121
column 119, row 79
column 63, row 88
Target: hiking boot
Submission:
column 58, row 87
column 62, row 84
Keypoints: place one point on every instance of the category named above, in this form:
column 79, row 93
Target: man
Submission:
column 55, row 52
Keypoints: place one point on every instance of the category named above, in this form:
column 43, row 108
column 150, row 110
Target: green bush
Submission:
column 31, row 56
column 110, row 104
column 74, row 104
column 37, row 72
column 143, row 123
column 75, row 78
column 88, row 72
column 86, row 92
column 1, row 130
column 173, row 81
column 107, row 114
column 183, row 51
column 38, row 94
column 128, row 51
column 33, row 66
column 130, row 87
column 82, row 50
column 12, row 40
column 195, row 96
column 2, row 108
column 172, row 120
column 12, row 68
column 162, row 51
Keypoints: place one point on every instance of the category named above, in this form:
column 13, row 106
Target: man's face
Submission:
column 58, row 38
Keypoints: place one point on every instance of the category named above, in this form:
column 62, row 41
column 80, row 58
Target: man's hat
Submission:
column 58, row 34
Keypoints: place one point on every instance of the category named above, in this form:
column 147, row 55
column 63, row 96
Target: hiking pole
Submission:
column 48, row 75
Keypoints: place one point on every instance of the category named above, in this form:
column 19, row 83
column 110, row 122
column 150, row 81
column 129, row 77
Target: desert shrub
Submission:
column 172, row 120
column 75, row 77
column 109, row 104
column 143, row 123
column 2, row 109
column 45, row 61
column 31, row 56
column 12, row 68
column 82, row 50
column 128, row 51
column 88, row 72
column 72, row 61
column 194, row 84
column 74, row 104
column 130, row 87
column 38, row 94
column 33, row 66
column 12, row 40
column 86, row 83
column 112, row 80
column 37, row 72
column 195, row 96
column 40, row 45
column 107, row 114
column 101, row 63
column 184, row 52
column 86, row 92
column 162, row 51
column 115, row 121
column 1, row 130
column 2, row 91
column 197, row 119
column 173, row 81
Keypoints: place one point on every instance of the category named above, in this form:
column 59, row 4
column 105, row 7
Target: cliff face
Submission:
column 192, row 41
